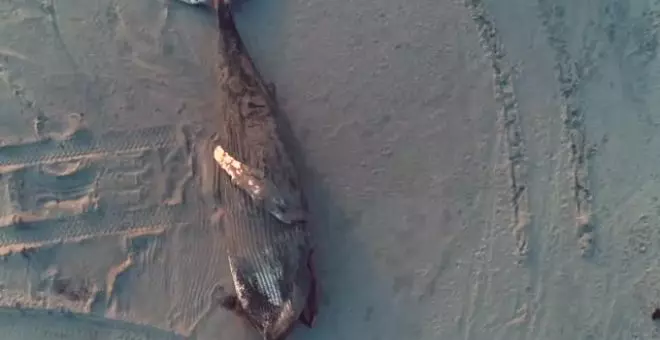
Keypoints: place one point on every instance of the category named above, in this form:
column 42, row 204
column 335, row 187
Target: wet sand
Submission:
column 474, row 169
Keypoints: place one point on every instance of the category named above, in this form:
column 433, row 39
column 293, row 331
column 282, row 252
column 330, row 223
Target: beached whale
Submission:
column 268, row 243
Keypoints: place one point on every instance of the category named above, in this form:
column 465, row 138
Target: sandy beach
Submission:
column 475, row 169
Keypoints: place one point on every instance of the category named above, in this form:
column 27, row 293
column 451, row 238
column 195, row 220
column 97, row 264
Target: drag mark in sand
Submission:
column 510, row 123
column 570, row 73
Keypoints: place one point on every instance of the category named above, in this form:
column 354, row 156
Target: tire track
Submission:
column 521, row 305
column 570, row 73
column 510, row 121
column 84, row 144
column 21, row 235
column 40, row 187
column 18, row 324
column 512, row 166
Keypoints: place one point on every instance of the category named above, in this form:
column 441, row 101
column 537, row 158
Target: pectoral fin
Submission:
column 258, row 187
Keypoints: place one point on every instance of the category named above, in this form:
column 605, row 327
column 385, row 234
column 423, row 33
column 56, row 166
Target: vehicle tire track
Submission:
column 516, row 303
column 511, row 125
column 84, row 144
column 21, row 235
column 23, row 323
column 570, row 74
column 550, row 170
column 40, row 187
